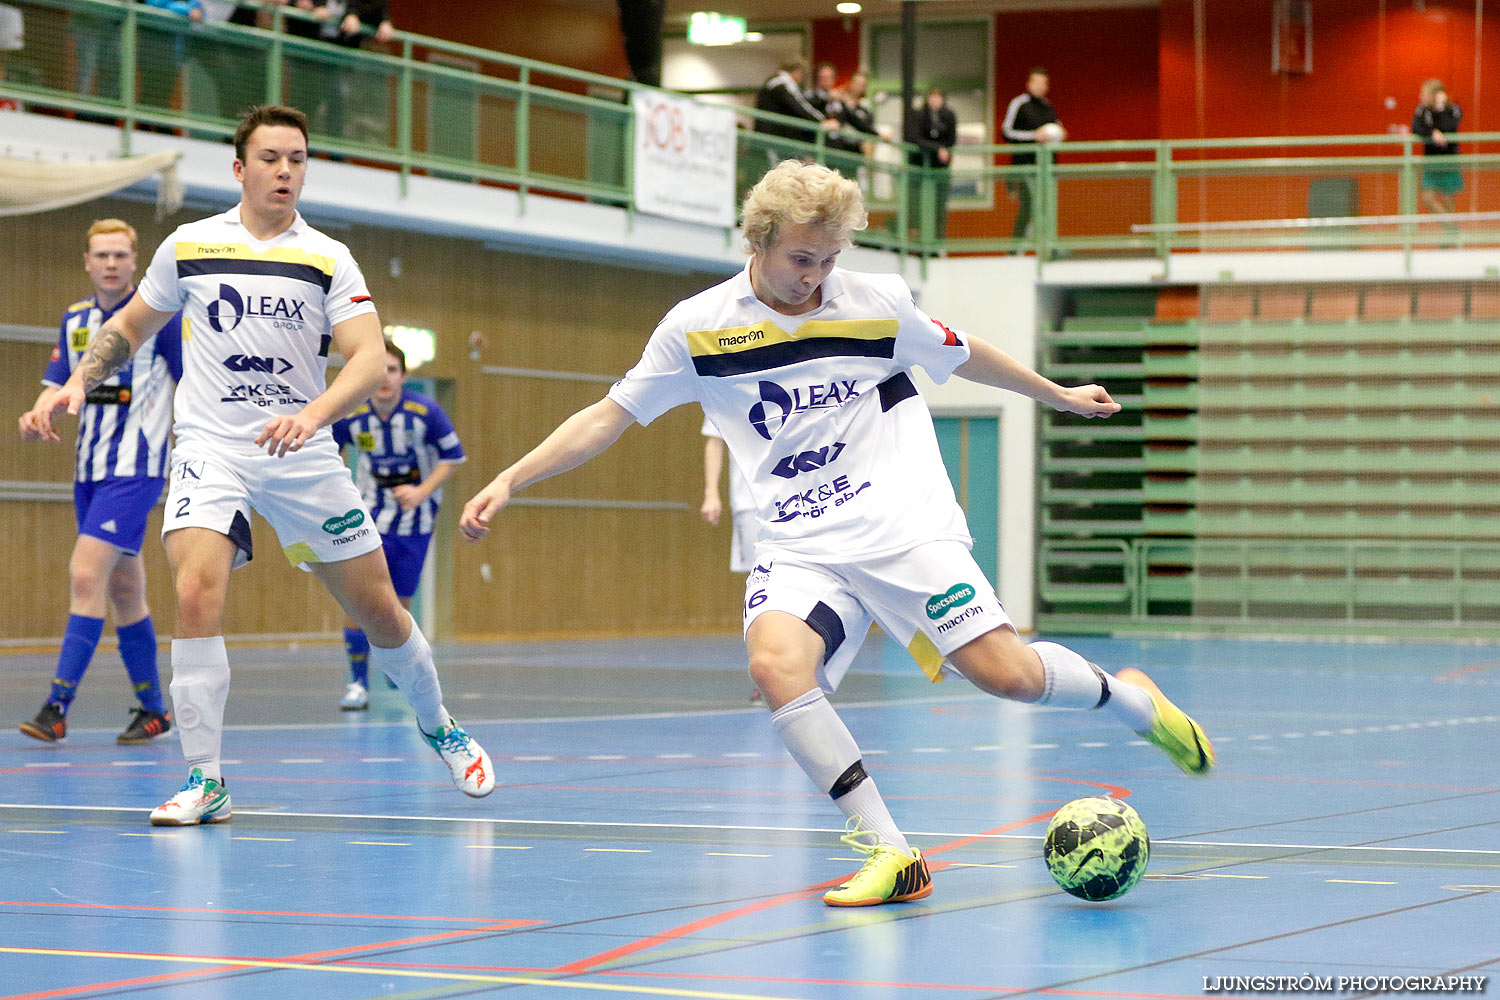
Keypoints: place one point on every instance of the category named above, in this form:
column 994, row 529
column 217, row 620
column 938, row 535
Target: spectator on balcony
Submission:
column 1026, row 113
column 847, row 105
column 1436, row 122
column 825, row 80
column 933, row 127
column 782, row 94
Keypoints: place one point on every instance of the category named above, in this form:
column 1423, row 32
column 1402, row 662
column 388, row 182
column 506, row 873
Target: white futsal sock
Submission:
column 410, row 668
column 1073, row 682
column 200, row 687
column 821, row 744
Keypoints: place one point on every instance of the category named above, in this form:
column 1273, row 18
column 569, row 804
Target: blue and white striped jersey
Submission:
column 401, row 450
column 125, row 429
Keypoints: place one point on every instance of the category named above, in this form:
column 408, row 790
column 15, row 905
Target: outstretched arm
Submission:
column 988, row 365
column 109, row 351
column 579, row 438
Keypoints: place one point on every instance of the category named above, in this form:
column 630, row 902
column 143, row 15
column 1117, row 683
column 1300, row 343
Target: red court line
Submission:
column 683, row 930
column 316, row 956
column 1466, row 671
column 269, row 913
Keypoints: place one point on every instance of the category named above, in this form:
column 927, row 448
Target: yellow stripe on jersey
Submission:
column 414, row 407
column 747, row 338
column 925, row 652
column 79, row 305
column 300, row 553
column 187, row 329
column 240, row 251
column 761, row 347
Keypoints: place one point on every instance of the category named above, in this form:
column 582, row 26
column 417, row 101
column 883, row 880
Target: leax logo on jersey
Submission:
column 777, row 404
column 226, row 312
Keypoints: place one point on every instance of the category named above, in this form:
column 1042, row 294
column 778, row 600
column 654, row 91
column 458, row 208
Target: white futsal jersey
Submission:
column 257, row 321
column 819, row 410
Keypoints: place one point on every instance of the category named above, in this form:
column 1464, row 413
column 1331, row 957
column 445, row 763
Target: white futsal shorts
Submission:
column 932, row 599
column 308, row 496
column 742, row 552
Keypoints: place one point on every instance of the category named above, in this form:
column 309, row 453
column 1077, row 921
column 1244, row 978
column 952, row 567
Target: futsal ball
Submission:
column 1051, row 132
column 1097, row 848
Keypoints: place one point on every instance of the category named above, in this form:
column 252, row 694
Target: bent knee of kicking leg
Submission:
column 1001, row 665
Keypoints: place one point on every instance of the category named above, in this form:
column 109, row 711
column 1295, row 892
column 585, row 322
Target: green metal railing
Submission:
column 440, row 108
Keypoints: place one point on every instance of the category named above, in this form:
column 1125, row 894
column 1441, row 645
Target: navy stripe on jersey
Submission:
column 239, row 265
column 894, row 389
column 780, row 355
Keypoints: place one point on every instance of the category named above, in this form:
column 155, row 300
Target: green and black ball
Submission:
column 1097, row 848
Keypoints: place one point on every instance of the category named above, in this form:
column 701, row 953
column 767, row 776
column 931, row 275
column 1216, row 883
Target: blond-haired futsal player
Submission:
column 803, row 366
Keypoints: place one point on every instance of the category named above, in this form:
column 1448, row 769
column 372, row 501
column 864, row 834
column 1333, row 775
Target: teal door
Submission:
column 971, row 451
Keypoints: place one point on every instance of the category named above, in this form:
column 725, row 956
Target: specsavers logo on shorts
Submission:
column 957, row 596
column 353, row 519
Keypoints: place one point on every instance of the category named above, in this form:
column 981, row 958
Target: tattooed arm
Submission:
column 107, row 353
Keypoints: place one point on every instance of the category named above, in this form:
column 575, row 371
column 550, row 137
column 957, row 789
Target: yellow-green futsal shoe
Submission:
column 1173, row 730
column 889, row 874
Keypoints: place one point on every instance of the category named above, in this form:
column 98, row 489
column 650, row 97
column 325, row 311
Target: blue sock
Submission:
column 80, row 639
column 138, row 650
column 357, row 646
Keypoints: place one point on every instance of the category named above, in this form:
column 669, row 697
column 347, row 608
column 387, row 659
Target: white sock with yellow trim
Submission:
column 822, row 746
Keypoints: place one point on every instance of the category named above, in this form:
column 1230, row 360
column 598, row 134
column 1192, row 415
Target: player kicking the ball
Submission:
column 265, row 295
column 795, row 356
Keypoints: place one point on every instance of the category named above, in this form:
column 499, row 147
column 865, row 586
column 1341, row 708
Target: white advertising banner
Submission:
column 684, row 159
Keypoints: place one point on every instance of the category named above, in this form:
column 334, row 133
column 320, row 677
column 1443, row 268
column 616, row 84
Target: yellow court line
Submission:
column 274, row 840
column 455, row 977
column 1357, row 881
column 616, row 850
column 48, row 832
column 1218, row 875
column 378, row 843
column 495, row 847
column 723, row 854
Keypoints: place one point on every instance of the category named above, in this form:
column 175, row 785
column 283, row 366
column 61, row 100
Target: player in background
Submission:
column 406, row 450
column 119, row 469
column 804, row 367
column 741, row 508
column 264, row 296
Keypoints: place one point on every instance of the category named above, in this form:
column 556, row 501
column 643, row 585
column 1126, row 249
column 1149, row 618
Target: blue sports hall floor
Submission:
column 650, row 838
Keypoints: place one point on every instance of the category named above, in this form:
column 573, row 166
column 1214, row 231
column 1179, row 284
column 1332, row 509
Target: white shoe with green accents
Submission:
column 467, row 762
column 201, row 800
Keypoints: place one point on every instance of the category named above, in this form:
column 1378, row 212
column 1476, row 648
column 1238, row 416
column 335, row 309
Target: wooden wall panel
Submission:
column 551, row 570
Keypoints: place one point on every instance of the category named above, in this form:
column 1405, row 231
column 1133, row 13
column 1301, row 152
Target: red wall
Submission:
column 1102, row 65
column 1361, row 57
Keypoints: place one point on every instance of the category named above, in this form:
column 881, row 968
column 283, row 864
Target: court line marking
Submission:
column 1357, row 881
column 739, row 828
column 681, row 931
column 491, row 923
column 356, row 970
